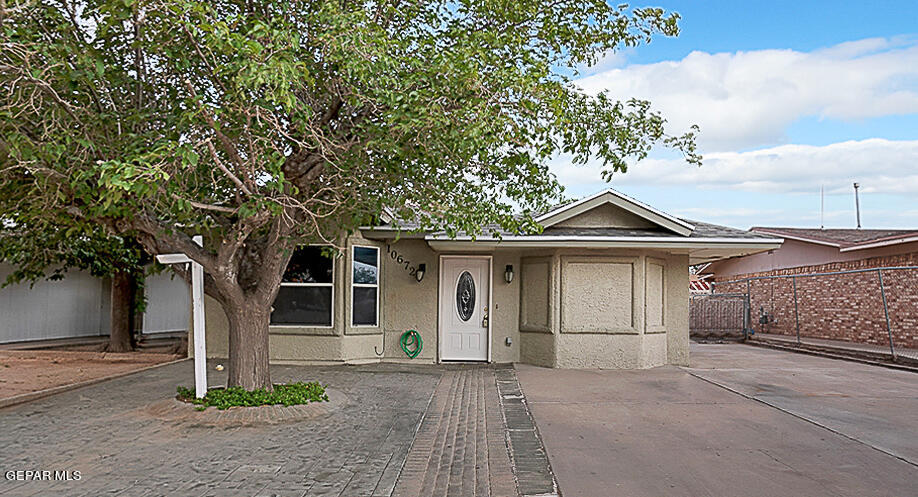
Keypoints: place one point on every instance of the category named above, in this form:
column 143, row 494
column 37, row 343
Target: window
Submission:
column 306, row 296
column 365, row 286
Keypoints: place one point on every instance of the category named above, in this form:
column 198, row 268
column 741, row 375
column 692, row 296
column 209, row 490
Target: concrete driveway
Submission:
column 833, row 427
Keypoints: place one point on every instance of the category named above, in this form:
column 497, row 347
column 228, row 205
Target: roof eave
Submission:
column 879, row 244
column 609, row 241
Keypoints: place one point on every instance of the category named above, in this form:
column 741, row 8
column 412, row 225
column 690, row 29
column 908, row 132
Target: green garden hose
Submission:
column 409, row 339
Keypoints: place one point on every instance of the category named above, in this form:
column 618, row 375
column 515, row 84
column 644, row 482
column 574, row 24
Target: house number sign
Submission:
column 401, row 261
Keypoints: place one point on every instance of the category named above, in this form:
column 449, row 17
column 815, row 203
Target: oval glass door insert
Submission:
column 465, row 296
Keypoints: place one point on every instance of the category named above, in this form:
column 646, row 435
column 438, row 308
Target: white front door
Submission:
column 465, row 299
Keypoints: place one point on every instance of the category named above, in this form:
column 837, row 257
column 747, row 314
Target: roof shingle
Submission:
column 840, row 237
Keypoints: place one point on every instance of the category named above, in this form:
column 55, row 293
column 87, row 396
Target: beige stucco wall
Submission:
column 506, row 312
column 535, row 296
column 537, row 348
column 655, row 295
column 581, row 309
column 606, row 351
column 405, row 304
column 600, row 294
column 606, row 216
column 622, row 309
column 677, row 310
column 411, row 305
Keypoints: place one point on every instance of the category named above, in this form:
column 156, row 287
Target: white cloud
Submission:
column 880, row 165
column 748, row 99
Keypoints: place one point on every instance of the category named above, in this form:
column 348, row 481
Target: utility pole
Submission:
column 857, row 204
column 822, row 207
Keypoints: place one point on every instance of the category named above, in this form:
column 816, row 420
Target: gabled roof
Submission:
column 846, row 240
column 702, row 242
column 620, row 200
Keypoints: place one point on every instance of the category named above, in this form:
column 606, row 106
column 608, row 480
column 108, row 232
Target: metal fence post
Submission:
column 892, row 348
column 747, row 316
column 796, row 312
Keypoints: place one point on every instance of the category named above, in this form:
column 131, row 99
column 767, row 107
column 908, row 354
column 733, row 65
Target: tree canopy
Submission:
column 266, row 123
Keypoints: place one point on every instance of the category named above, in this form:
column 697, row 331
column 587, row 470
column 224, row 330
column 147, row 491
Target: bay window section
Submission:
column 306, row 296
column 365, row 286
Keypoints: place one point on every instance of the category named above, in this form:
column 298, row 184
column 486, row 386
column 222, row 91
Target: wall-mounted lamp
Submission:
column 508, row 273
column 419, row 274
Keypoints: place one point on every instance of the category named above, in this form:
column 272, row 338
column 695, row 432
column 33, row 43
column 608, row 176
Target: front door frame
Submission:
column 440, row 327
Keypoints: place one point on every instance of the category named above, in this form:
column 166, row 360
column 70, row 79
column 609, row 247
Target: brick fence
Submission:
column 847, row 307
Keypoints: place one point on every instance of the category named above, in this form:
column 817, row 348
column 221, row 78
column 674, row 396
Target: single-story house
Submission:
column 605, row 285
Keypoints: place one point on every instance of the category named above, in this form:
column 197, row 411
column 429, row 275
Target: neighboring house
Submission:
column 604, row 286
column 822, row 250
column 848, row 307
column 78, row 306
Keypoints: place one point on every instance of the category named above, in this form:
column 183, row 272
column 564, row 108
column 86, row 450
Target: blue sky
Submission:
column 790, row 97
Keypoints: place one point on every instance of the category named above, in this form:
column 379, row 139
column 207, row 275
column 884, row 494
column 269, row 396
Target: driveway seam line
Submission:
column 798, row 416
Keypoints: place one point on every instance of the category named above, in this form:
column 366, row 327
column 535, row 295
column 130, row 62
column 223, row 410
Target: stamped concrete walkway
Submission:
column 426, row 431
column 125, row 443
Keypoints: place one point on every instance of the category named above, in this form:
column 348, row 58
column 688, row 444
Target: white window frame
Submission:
column 332, row 310
column 365, row 285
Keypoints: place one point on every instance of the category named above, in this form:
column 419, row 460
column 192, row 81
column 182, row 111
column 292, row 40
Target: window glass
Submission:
column 366, row 270
column 308, row 265
column 365, row 286
column 303, row 305
column 365, row 306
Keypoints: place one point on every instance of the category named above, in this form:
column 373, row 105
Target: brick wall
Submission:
column 846, row 307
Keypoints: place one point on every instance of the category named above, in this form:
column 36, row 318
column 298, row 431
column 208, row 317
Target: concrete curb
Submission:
column 805, row 349
column 40, row 394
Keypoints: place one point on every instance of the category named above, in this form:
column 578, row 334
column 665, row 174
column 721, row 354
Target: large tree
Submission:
column 263, row 124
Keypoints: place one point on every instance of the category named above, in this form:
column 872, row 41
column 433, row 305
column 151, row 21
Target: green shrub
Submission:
column 286, row 395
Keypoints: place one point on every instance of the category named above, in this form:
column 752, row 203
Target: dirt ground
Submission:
column 25, row 371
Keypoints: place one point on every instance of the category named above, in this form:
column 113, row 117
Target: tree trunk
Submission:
column 122, row 300
column 248, row 344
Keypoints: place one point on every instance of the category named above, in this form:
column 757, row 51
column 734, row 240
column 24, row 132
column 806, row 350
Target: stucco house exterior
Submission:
column 604, row 286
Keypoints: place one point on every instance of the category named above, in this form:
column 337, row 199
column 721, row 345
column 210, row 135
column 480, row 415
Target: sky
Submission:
column 791, row 98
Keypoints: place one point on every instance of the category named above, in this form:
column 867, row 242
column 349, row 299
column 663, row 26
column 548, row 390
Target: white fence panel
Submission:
column 76, row 306
column 168, row 304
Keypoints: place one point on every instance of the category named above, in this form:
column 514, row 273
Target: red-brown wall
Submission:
column 846, row 307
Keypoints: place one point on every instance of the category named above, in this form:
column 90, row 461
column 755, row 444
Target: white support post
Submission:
column 197, row 305
column 197, row 315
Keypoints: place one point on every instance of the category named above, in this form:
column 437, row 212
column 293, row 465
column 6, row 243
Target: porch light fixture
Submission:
column 508, row 273
column 419, row 274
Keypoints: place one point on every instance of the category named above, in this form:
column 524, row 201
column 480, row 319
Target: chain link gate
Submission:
column 719, row 316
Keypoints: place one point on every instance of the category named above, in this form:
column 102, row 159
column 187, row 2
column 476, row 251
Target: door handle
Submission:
column 484, row 320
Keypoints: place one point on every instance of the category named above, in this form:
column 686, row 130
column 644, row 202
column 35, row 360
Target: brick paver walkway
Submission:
column 461, row 448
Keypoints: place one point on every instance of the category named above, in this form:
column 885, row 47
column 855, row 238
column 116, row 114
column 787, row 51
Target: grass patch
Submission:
column 287, row 395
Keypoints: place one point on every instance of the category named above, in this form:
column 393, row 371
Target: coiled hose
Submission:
column 411, row 343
